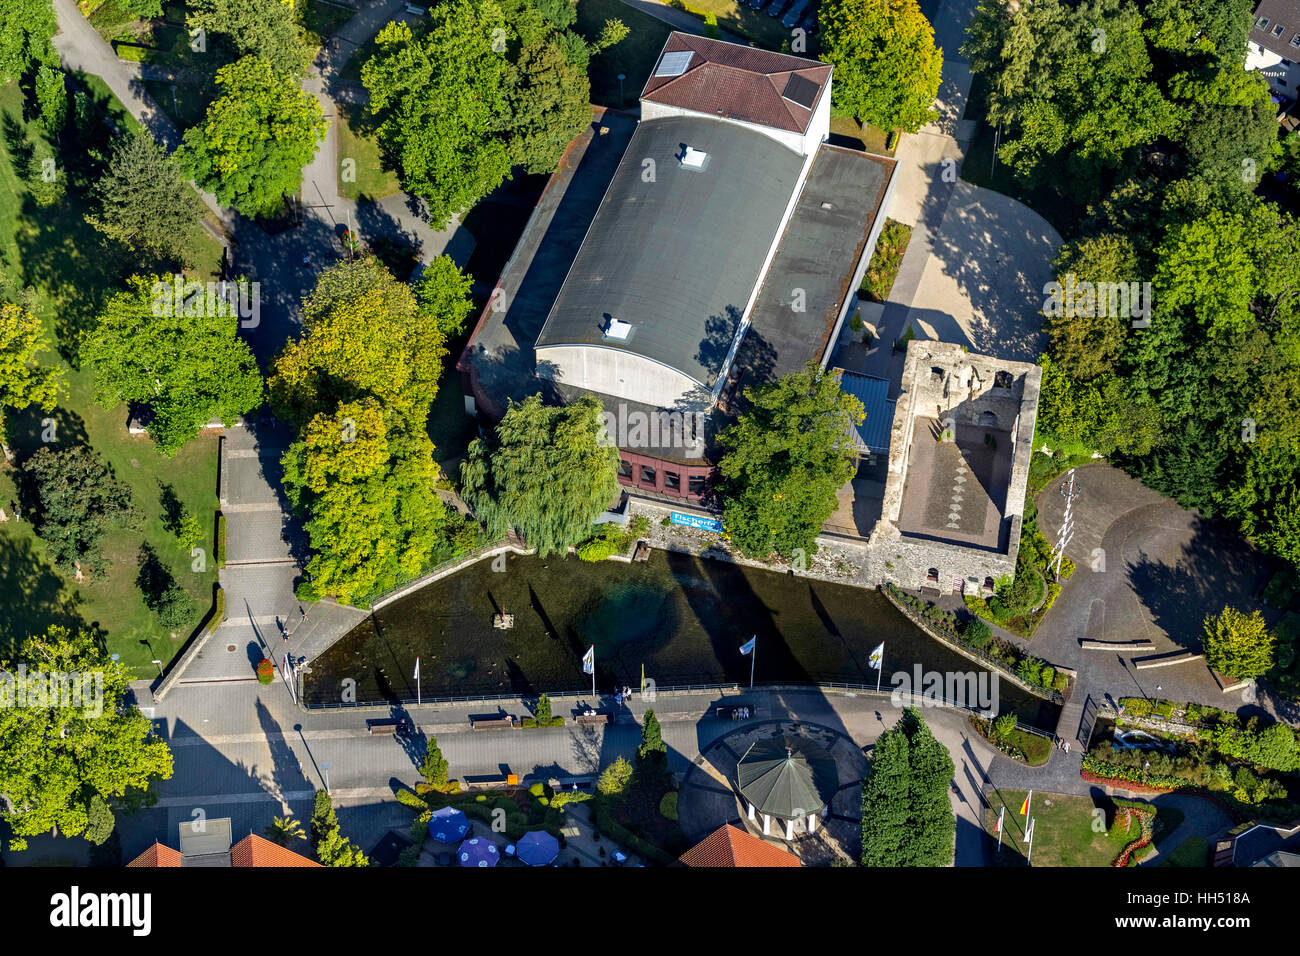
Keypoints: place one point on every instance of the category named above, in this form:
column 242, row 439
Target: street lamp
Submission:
column 160, row 669
column 621, row 78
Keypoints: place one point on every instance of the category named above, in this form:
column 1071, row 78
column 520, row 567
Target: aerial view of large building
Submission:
column 724, row 251
column 621, row 438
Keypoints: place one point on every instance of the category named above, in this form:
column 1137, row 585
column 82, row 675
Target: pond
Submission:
column 681, row 617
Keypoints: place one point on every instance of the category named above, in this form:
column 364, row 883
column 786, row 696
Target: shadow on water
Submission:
column 681, row 618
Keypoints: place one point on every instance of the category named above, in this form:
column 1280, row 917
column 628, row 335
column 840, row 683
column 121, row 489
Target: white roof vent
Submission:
column 694, row 158
column 618, row 329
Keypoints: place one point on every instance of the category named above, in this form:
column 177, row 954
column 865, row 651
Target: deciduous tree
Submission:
column 23, row 381
column 251, row 147
column 184, row 359
column 264, row 28
column 786, row 458
column 1238, row 644
column 62, row 755
column 886, row 63
column 548, row 471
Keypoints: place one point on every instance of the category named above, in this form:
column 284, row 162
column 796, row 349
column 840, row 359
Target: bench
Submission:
column 503, row 722
column 594, row 718
column 383, row 728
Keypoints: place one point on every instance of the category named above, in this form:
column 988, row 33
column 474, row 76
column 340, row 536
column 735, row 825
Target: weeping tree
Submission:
column 547, row 472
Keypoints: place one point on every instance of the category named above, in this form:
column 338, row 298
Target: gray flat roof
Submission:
column 677, row 257
column 822, row 244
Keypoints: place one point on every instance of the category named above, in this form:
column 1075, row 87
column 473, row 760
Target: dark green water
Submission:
column 682, row 617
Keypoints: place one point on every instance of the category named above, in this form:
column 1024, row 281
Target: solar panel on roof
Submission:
column 801, row 90
column 674, row 63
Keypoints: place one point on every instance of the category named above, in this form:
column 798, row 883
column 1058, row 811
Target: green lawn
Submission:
column 753, row 25
column 373, row 181
column 185, row 103
column 56, row 253
column 324, row 19
column 1064, row 830
column 862, row 136
column 1192, row 852
column 635, row 56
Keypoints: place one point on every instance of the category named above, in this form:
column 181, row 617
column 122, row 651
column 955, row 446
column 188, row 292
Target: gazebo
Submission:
column 789, row 779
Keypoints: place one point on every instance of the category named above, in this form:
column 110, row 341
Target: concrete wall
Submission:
column 615, row 372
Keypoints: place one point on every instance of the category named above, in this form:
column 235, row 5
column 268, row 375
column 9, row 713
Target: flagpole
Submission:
column 1030, row 858
column 880, row 670
column 753, row 657
column 1000, row 816
column 593, row 671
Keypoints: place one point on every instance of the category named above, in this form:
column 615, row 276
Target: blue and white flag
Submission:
column 589, row 660
column 748, row 646
column 877, row 656
column 417, row 669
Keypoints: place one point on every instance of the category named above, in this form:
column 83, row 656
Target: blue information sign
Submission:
column 695, row 521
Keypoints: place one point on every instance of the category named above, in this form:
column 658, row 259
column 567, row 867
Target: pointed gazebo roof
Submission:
column 787, row 776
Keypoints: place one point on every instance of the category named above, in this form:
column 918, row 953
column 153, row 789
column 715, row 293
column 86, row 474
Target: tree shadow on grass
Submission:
column 35, row 597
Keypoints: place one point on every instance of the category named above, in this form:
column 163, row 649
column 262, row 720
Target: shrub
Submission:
column 410, row 799
column 615, row 778
column 265, row 670
column 668, row 805
column 1003, row 727
column 977, row 633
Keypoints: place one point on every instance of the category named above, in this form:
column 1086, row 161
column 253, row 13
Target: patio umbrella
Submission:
column 448, row 825
column 478, row 852
column 538, row 848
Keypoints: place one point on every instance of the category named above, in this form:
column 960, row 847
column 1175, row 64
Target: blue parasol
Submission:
column 478, row 852
column 448, row 825
column 538, row 848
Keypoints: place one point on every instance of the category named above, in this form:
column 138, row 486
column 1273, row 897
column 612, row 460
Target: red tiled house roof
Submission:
column 251, row 851
column 729, row 846
column 157, row 855
column 740, row 83
column 254, row 850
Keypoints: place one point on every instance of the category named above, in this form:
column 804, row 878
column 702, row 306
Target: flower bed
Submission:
column 1124, row 817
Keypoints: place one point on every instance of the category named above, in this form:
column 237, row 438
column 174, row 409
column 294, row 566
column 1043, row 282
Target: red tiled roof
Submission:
column 256, row 851
column 729, row 846
column 157, row 855
column 738, row 82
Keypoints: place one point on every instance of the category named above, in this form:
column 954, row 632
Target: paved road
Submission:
column 977, row 260
column 243, row 750
column 265, row 546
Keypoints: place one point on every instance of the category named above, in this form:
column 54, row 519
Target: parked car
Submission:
column 796, row 13
column 809, row 23
column 757, row 4
column 776, row 6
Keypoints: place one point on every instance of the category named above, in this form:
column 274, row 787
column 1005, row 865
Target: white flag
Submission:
column 877, row 656
column 589, row 660
column 416, row 676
